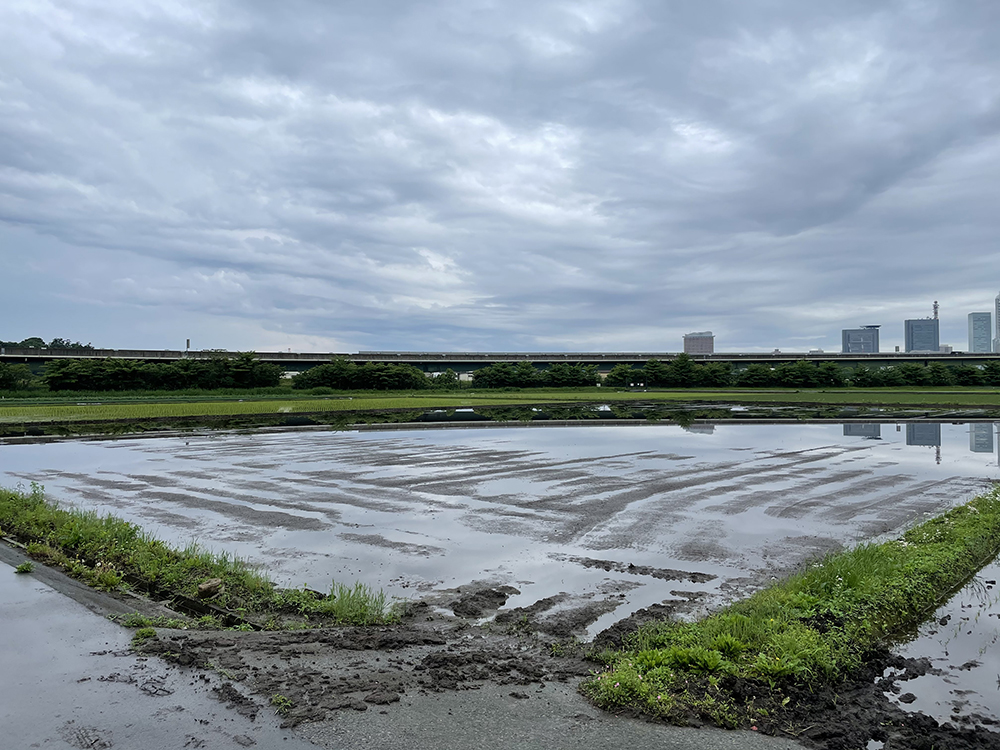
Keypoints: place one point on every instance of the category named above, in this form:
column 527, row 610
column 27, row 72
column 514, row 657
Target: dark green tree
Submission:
column 939, row 374
column 991, row 373
column 683, row 372
column 967, row 375
column 831, row 375
column 655, row 373
column 801, row 374
column 622, row 376
column 715, row 375
column 754, row 376
column 862, row 377
column 14, row 377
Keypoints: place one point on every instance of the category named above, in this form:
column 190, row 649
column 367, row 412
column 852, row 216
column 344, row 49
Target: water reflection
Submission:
column 923, row 433
column 981, row 437
column 929, row 435
column 870, row 431
column 961, row 640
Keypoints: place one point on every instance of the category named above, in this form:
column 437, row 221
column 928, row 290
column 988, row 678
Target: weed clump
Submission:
column 109, row 553
column 741, row 664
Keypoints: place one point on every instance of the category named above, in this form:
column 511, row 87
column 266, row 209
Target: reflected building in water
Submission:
column 701, row 429
column 869, row 431
column 923, row 433
column 981, row 437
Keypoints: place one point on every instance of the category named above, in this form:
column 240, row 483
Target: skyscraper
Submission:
column 699, row 342
column 996, row 311
column 922, row 335
column 979, row 332
column 862, row 340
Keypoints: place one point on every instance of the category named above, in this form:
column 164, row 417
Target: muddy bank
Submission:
column 314, row 675
column 859, row 713
column 321, row 672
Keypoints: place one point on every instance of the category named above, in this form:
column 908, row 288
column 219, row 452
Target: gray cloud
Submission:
column 481, row 175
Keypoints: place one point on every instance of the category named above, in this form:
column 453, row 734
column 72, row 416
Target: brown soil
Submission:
column 360, row 668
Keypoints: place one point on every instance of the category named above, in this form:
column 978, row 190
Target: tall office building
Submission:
column 922, row 335
column 699, row 342
column 980, row 329
column 862, row 340
column 996, row 312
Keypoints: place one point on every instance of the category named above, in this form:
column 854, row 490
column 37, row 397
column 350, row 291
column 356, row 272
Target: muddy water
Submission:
column 618, row 516
column 962, row 643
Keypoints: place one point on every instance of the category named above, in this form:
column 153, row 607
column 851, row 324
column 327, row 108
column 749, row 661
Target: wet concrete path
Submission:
column 68, row 680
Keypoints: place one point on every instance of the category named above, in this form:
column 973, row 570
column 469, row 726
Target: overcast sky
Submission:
column 495, row 176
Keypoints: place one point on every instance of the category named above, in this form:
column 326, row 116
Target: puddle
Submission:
column 962, row 685
column 413, row 511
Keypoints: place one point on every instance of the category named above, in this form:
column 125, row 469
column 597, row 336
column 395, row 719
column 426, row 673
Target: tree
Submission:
column 831, row 375
column 716, row 375
column 801, row 374
column 755, row 376
column 447, row 380
column 683, row 371
column 14, row 377
column 991, row 373
column 891, row 377
column 67, row 344
column 622, row 376
column 967, row 375
column 939, row 374
column 913, row 374
column 655, row 373
column 862, row 377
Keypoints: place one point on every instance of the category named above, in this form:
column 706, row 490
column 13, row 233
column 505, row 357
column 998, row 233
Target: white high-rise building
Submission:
column 979, row 333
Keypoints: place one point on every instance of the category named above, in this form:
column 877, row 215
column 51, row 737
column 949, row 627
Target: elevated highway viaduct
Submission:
column 467, row 362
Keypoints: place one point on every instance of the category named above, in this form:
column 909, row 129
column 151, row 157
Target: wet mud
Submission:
column 321, row 672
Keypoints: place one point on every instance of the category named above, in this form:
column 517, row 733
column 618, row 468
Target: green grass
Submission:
column 817, row 626
column 109, row 553
column 81, row 408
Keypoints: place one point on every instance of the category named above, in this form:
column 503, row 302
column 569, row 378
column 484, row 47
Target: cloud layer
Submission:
column 602, row 175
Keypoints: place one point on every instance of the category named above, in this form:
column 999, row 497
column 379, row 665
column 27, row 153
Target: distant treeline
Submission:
column 245, row 370
column 683, row 372
column 224, row 371
column 36, row 343
column 344, row 375
column 526, row 375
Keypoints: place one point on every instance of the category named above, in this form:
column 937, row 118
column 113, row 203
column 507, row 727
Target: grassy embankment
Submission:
column 109, row 553
column 741, row 666
column 119, row 407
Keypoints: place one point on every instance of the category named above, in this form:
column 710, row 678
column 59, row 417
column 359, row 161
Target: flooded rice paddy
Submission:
column 620, row 517
column 587, row 523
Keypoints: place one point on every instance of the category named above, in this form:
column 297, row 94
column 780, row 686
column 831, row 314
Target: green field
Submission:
column 119, row 407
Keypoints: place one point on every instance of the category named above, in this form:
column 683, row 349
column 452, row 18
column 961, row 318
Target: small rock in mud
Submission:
column 234, row 699
column 907, row 698
column 382, row 697
column 477, row 603
column 209, row 588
